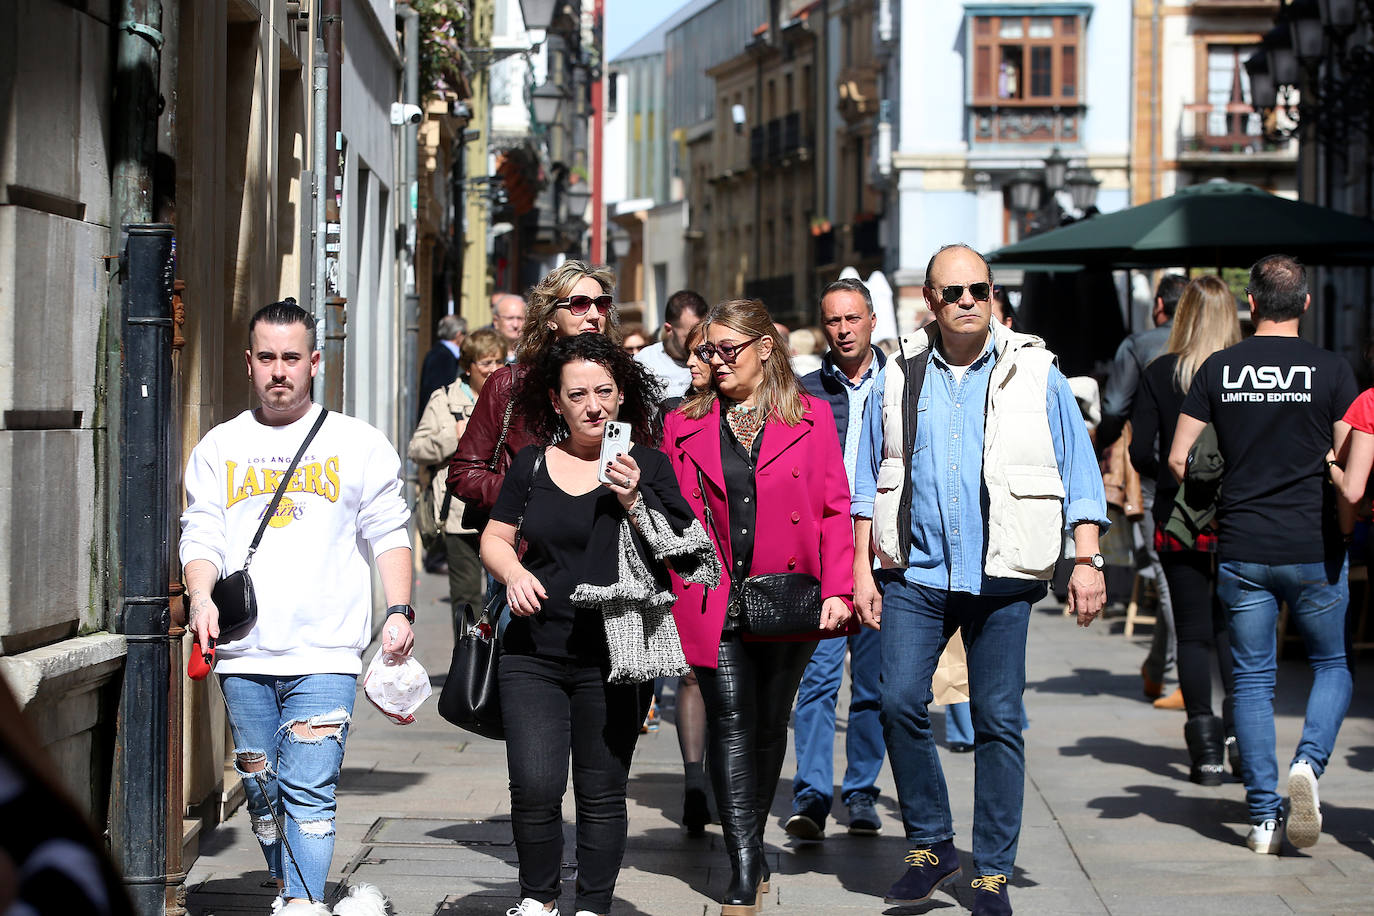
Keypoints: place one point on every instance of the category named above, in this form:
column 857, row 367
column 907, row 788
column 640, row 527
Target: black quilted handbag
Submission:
column 781, row 604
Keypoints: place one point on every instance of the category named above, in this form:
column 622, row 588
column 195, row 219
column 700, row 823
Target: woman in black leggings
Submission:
column 1204, row 323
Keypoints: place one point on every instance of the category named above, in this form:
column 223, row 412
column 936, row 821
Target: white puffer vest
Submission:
column 1025, row 490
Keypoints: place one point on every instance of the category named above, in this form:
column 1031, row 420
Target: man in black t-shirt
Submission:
column 1274, row 401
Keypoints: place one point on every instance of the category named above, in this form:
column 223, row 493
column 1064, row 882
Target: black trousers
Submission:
column 748, row 700
column 1200, row 627
column 551, row 709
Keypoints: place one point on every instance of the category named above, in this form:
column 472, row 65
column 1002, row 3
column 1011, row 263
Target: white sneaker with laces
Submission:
column 531, row 907
column 1265, row 838
column 1304, row 822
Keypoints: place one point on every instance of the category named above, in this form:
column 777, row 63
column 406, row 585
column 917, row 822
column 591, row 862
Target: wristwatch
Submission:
column 1096, row 561
column 405, row 609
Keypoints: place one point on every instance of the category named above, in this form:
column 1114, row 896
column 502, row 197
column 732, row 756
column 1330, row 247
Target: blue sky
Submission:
column 627, row 21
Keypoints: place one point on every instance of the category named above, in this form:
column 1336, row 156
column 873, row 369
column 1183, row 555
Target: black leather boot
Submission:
column 1206, row 737
column 746, row 875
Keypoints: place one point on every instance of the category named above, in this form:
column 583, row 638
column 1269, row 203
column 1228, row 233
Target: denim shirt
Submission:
column 858, row 396
column 948, row 499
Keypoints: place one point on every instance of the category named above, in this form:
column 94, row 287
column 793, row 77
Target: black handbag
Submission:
column 772, row 604
column 471, row 697
column 474, row 516
column 781, row 604
column 233, row 595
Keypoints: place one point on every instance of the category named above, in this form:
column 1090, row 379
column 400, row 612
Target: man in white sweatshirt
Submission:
column 289, row 683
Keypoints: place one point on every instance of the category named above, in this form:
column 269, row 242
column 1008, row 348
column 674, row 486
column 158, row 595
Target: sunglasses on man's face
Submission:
column 728, row 352
column 578, row 305
column 979, row 291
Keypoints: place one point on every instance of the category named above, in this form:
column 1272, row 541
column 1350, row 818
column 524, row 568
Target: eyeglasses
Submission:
column 728, row 352
column 979, row 291
column 579, row 305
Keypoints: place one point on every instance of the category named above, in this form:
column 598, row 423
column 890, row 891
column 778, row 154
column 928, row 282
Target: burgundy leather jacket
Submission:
column 469, row 470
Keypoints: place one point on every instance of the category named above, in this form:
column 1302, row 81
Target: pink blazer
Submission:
column 802, row 514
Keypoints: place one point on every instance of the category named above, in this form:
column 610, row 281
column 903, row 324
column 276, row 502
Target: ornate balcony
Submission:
column 1025, row 124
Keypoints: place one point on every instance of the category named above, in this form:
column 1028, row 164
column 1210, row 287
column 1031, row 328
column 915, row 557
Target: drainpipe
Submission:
column 410, row 311
column 319, row 143
column 141, row 763
column 136, row 601
column 331, row 19
column 598, row 250
column 1154, row 101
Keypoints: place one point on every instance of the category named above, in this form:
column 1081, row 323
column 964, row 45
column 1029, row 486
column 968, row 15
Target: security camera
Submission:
column 402, row 114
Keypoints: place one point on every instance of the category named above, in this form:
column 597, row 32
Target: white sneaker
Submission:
column 1265, row 838
column 1304, row 810
column 585, row 913
column 531, row 907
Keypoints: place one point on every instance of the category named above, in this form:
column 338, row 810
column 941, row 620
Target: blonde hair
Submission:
column 778, row 392
column 1204, row 322
column 536, row 335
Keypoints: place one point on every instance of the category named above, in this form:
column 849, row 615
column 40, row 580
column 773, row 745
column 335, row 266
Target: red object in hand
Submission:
column 200, row 664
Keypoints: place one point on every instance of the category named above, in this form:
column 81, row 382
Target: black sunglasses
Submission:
column 979, row 291
column 728, row 352
column 578, row 305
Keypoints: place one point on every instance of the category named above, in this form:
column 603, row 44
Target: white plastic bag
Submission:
column 396, row 686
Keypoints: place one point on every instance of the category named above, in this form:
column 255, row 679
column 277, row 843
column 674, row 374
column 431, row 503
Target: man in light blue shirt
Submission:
column 973, row 462
column 849, row 371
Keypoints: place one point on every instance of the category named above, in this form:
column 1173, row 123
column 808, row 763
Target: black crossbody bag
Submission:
column 772, row 604
column 233, row 595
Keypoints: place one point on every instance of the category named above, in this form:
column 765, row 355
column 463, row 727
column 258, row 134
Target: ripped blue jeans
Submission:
column 296, row 727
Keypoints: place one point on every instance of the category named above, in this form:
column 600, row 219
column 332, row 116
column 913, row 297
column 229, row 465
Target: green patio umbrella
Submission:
column 1216, row 224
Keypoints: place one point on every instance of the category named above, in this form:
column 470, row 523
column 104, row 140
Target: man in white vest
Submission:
column 974, row 459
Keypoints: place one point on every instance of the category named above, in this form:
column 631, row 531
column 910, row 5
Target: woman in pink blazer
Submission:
column 764, row 459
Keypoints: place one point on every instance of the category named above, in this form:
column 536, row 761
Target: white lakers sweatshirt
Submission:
column 312, row 570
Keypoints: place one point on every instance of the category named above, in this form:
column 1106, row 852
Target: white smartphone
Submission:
column 615, row 440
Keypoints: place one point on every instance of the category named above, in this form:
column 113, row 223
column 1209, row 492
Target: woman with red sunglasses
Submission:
column 575, row 298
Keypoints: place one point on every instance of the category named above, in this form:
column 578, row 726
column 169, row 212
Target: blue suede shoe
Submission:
column 929, row 867
column 990, row 896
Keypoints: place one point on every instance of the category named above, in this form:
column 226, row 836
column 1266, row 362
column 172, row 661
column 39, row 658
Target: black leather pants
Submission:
column 748, row 701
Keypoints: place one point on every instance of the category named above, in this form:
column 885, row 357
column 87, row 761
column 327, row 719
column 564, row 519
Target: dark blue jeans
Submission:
column 1317, row 598
column 814, row 721
column 917, row 622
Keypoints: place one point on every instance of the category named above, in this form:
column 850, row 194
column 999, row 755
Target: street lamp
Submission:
column 1083, row 190
column 1305, row 26
column 620, row 242
column 1339, row 15
column 1264, row 92
column 548, row 103
column 1056, row 169
column 578, row 196
column 1283, row 63
column 538, row 14
column 1025, row 191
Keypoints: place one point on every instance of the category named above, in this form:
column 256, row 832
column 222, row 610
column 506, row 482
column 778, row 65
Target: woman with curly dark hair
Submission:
column 591, row 604
column 574, row 299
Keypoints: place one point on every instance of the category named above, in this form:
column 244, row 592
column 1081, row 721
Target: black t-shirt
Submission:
column 1273, row 401
column 556, row 531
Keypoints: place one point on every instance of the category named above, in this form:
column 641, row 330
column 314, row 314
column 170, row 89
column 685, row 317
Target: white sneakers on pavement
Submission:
column 1265, row 838
column 531, row 907
column 1304, row 822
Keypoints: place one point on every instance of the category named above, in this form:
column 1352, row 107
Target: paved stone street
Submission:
column 1112, row 824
